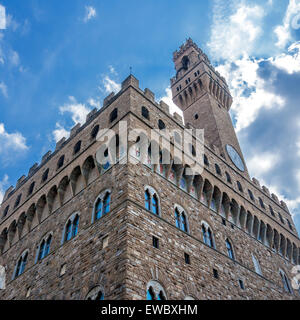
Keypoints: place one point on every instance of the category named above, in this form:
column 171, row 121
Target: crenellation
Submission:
column 149, row 94
column 165, row 107
column 266, row 190
column 275, row 198
column 20, row 181
column 178, row 117
column 91, row 114
column 8, row 192
column 60, row 143
column 107, row 100
column 74, row 130
column 130, row 81
column 256, row 182
column 46, row 156
column 33, row 169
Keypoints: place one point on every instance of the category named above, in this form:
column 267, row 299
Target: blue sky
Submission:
column 59, row 59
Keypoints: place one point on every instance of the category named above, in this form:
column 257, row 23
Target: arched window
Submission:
column 285, row 281
column 97, row 293
column 280, row 217
column 21, row 264
column 44, row 248
column 272, row 211
column 155, row 291
column 205, row 160
column 256, row 265
column 228, row 178
column 45, row 175
column 30, row 190
column 18, row 200
column 95, row 132
column 161, row 125
column 145, row 112
column 180, row 219
column 251, row 195
column 218, row 170
column 102, row 205
column 71, row 228
column 207, row 235
column 60, row 162
column 239, row 186
column 151, row 200
column 229, row 249
column 261, row 203
column 5, row 212
column 77, row 147
column 113, row 115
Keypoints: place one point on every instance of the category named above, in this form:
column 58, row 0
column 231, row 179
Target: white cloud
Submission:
column 169, row 101
column 2, row 17
column 110, row 85
column 11, row 141
column 3, row 89
column 235, row 34
column 94, row 103
column 3, row 186
column 289, row 62
column 283, row 32
column 60, row 132
column 90, row 13
column 248, row 90
column 78, row 111
column 14, row 58
column 262, row 163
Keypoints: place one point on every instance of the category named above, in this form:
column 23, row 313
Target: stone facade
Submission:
column 115, row 253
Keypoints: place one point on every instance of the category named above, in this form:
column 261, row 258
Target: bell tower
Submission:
column 203, row 96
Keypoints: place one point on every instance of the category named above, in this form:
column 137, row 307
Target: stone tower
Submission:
column 203, row 95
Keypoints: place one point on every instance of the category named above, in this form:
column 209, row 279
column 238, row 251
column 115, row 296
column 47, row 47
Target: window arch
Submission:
column 97, row 293
column 151, row 200
column 45, row 175
column 272, row 211
column 71, row 228
column 95, row 131
column 207, row 234
column 44, row 248
column 5, row 212
column 77, row 147
column 161, row 125
column 30, row 190
column 102, row 205
column 18, row 201
column 251, row 195
column 205, row 160
column 261, row 203
column 155, row 291
column 280, row 217
column 181, row 219
column 21, row 264
column 60, row 162
column 256, row 265
column 145, row 112
column 285, row 281
column 229, row 248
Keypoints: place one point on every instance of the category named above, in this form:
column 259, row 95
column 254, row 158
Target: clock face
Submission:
column 235, row 157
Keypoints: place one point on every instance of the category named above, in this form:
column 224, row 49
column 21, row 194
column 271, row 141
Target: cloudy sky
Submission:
column 59, row 59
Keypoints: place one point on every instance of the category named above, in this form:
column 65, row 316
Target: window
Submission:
column 272, row 211
column 113, row 115
column 151, row 200
column 45, row 175
column 77, row 147
column 180, row 219
column 187, row 258
column 145, row 112
column 161, row 125
column 44, row 248
column 21, row 265
column 229, row 249
column 102, row 205
column 205, row 160
column 18, row 200
column 223, row 221
column 196, row 116
column 96, row 294
column 261, row 203
column 285, row 281
column 216, row 273
column 192, row 150
column 251, row 195
column 155, row 242
column 155, row 291
column 241, row 283
column 95, row 132
column 228, row 178
column 218, row 170
column 239, row 186
column 60, row 162
column 71, row 228
column 30, row 190
column 280, row 217
column 207, row 235
column 290, row 225
column 5, row 212
column 256, row 265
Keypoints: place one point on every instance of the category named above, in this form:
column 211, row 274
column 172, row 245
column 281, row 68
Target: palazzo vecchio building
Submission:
column 75, row 229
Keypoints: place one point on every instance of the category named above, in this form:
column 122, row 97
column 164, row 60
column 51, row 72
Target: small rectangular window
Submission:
column 224, row 221
column 155, row 242
column 187, row 258
column 216, row 274
column 241, row 283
